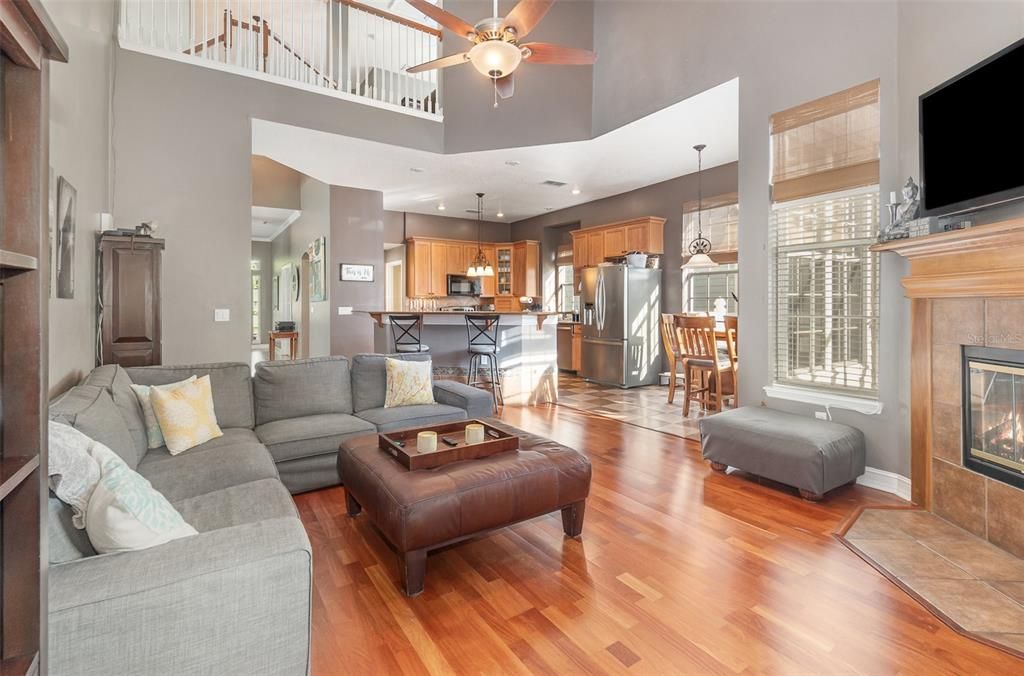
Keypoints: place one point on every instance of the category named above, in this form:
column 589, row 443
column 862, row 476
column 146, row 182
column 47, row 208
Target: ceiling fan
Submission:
column 496, row 50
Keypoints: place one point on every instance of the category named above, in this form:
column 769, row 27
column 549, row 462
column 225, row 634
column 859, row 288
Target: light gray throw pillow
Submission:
column 73, row 472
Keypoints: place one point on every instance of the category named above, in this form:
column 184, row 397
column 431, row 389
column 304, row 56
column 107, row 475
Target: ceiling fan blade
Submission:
column 446, row 19
column 506, row 86
column 525, row 16
column 545, row 52
column 443, row 62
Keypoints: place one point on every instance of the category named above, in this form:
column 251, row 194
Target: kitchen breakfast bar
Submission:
column 527, row 349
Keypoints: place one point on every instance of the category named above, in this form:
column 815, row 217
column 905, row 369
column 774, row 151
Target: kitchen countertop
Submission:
column 379, row 315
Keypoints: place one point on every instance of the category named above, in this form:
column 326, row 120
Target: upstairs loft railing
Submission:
column 340, row 47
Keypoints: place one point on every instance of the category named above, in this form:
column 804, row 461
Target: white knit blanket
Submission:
column 74, row 473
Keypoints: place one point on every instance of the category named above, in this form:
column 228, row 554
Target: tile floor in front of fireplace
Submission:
column 641, row 406
column 972, row 583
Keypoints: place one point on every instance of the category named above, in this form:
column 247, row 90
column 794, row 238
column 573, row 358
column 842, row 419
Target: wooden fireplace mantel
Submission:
column 986, row 261
column 983, row 261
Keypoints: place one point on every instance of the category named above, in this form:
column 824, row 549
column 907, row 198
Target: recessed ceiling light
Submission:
column 417, row 170
column 500, row 215
column 440, row 207
column 575, row 191
column 512, row 163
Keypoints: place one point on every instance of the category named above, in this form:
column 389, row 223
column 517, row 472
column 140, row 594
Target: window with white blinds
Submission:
column 707, row 289
column 720, row 219
column 824, row 277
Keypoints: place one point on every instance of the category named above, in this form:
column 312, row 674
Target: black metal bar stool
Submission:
column 483, row 343
column 405, row 333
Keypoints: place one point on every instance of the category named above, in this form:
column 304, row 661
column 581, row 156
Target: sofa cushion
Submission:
column 402, row 417
column 91, row 410
column 292, row 389
column 236, row 505
column 369, row 378
column 118, row 383
column 236, row 458
column 310, row 435
column 66, row 542
column 232, row 387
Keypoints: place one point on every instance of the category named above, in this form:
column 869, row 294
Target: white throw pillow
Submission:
column 74, row 473
column 125, row 512
column 409, row 383
column 154, row 435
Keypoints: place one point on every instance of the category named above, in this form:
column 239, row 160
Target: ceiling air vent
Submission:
column 554, row 184
column 472, row 211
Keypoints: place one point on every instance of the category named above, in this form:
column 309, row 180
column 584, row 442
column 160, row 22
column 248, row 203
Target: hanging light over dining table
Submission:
column 700, row 246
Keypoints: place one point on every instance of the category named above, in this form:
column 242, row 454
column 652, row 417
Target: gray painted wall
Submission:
column 79, row 100
column 263, row 252
column 552, row 104
column 663, row 199
column 782, row 57
column 275, row 185
column 182, row 145
column 357, row 236
column 288, row 247
column 399, row 225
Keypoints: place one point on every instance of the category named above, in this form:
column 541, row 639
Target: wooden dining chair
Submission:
column 670, row 341
column 703, row 369
column 732, row 344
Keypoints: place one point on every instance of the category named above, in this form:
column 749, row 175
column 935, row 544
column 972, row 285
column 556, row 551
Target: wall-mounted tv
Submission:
column 972, row 136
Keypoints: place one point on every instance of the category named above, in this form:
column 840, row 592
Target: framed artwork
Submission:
column 67, row 220
column 317, row 269
column 51, row 229
column 352, row 272
column 285, row 291
column 276, row 292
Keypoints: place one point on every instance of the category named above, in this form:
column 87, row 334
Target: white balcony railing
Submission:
column 339, row 47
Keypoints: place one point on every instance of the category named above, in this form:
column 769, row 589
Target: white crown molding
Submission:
column 889, row 482
column 292, row 217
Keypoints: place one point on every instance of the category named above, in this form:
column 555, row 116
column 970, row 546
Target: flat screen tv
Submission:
column 972, row 136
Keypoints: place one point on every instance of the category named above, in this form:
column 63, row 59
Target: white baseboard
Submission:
column 890, row 482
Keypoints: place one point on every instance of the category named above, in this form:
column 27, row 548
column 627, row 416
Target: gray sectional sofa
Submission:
column 236, row 597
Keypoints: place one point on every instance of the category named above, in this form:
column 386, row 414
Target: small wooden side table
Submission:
column 293, row 343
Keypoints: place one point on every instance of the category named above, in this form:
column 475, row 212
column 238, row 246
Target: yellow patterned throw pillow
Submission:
column 409, row 383
column 186, row 414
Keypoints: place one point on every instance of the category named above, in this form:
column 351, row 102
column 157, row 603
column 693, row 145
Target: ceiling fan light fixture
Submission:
column 495, row 58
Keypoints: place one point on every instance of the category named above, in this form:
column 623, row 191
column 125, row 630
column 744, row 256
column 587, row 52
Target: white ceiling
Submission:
column 653, row 149
column 268, row 222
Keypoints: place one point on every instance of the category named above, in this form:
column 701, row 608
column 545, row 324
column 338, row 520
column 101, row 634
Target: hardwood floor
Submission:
column 679, row 570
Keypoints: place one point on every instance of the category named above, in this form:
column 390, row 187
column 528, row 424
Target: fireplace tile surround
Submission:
column 966, row 288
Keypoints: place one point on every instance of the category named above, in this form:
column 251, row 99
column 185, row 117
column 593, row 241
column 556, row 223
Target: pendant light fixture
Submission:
column 480, row 266
column 700, row 247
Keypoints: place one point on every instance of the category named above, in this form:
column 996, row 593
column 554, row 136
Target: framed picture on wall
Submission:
column 67, row 219
column 352, row 272
column 276, row 291
column 317, row 269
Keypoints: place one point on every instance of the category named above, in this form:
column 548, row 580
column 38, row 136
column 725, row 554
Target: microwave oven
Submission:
column 463, row 285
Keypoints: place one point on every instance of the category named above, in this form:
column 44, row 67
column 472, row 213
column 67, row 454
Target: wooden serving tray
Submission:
column 402, row 445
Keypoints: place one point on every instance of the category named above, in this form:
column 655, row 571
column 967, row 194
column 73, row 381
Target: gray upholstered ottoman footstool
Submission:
column 812, row 455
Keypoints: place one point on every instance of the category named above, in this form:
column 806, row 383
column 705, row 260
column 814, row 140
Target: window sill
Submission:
column 825, row 399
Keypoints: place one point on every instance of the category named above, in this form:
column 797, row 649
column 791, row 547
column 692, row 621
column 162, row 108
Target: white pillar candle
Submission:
column 426, row 442
column 892, row 197
column 474, row 433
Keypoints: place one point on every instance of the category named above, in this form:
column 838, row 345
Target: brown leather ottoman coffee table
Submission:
column 418, row 511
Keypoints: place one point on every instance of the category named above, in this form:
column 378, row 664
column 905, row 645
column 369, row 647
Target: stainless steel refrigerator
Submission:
column 621, row 332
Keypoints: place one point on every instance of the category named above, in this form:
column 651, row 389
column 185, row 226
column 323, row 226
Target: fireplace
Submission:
column 993, row 413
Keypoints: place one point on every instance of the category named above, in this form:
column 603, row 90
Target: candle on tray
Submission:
column 892, row 197
column 426, row 442
column 474, row 433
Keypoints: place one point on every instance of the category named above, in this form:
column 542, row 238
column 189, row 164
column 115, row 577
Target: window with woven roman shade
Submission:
column 825, row 216
column 720, row 219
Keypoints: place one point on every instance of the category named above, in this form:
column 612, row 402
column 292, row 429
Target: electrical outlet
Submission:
column 821, row 415
column 222, row 315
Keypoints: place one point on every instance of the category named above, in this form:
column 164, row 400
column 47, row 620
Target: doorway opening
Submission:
column 393, row 285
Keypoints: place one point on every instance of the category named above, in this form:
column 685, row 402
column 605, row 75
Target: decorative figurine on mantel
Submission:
column 901, row 214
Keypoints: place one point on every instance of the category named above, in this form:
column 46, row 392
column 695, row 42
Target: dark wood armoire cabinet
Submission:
column 129, row 299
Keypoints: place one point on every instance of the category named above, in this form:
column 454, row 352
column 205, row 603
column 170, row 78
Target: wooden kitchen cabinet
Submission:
column 590, row 246
column 614, row 242
column 580, row 259
column 526, row 269
column 506, row 304
column 595, row 247
column 577, row 347
column 430, row 261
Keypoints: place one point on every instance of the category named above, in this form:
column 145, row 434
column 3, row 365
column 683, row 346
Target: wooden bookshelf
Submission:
column 27, row 40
